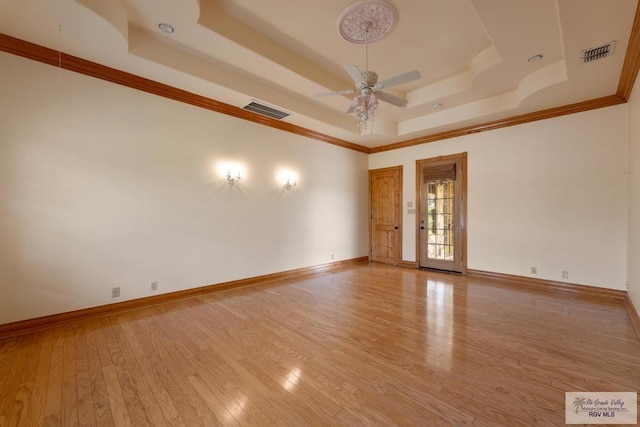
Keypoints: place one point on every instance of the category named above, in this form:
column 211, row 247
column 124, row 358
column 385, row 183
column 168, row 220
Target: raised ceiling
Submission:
column 472, row 54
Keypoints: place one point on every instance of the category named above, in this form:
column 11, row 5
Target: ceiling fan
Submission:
column 367, row 85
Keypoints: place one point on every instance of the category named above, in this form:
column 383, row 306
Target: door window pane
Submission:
column 440, row 230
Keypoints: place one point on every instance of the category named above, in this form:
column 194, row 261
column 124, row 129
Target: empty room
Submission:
column 338, row 213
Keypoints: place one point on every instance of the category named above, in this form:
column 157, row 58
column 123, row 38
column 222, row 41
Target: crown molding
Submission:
column 578, row 107
column 629, row 73
column 65, row 61
column 631, row 60
column 628, row 77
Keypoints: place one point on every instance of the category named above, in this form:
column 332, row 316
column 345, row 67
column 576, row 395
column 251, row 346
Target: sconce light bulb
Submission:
column 233, row 180
column 290, row 184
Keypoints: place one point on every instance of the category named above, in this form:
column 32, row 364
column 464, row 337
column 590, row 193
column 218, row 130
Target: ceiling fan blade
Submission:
column 392, row 99
column 402, row 78
column 339, row 92
column 356, row 75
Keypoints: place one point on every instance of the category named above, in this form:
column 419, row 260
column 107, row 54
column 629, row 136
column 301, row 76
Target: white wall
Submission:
column 550, row 194
column 104, row 186
column 633, row 251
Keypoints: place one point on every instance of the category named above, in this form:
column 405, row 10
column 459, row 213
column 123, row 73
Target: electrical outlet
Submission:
column 154, row 286
column 534, row 270
column 565, row 274
column 115, row 292
column 331, row 256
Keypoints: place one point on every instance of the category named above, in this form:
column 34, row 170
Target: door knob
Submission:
column 396, row 228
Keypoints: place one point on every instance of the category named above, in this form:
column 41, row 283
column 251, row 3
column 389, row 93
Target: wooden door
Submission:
column 385, row 204
column 441, row 213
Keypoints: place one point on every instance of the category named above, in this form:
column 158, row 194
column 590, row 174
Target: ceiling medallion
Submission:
column 353, row 22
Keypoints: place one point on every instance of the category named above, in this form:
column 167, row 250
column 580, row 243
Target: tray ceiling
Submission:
column 472, row 54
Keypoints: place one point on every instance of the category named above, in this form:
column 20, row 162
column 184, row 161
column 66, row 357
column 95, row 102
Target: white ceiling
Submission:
column 472, row 54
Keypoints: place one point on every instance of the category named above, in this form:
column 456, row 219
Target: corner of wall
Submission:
column 633, row 233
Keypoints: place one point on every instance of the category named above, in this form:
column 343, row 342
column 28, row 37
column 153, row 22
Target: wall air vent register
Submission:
column 265, row 110
column 595, row 53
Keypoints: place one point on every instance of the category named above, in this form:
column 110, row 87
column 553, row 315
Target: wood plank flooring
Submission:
column 365, row 345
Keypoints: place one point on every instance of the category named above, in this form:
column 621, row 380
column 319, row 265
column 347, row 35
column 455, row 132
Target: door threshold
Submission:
column 438, row 270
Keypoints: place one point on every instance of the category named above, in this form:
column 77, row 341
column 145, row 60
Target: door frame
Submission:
column 398, row 232
column 462, row 159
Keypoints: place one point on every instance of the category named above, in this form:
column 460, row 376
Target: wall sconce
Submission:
column 290, row 184
column 288, row 179
column 232, row 180
column 232, row 172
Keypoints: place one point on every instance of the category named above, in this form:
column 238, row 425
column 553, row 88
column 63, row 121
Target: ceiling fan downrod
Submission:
column 366, row 27
column 369, row 77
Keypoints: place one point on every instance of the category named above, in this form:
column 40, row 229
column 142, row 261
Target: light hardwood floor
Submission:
column 365, row 345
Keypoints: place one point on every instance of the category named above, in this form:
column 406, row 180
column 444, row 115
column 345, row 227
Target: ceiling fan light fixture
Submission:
column 363, row 22
column 365, row 106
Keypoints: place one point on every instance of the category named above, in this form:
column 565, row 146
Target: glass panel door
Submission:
column 440, row 220
column 440, row 217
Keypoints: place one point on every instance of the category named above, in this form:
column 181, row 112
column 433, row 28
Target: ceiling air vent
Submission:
column 265, row 110
column 596, row 53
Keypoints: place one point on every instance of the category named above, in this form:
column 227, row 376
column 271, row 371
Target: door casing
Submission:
column 460, row 160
